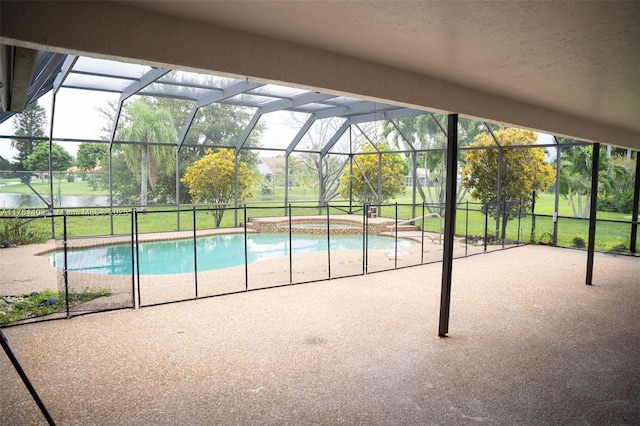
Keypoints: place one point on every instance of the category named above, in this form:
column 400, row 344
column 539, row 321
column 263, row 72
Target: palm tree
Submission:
column 148, row 124
column 575, row 177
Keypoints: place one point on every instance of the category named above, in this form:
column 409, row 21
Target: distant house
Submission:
column 421, row 175
column 76, row 169
column 269, row 166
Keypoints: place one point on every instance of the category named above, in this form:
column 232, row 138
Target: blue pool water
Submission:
column 213, row 252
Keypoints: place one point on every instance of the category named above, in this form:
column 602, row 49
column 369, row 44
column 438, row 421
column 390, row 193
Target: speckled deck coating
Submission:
column 529, row 343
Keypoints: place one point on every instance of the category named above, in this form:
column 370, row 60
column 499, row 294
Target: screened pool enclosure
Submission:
column 133, row 131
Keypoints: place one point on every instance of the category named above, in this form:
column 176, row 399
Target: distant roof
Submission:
column 273, row 164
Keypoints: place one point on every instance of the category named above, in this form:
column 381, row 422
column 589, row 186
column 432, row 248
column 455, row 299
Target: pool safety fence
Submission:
column 124, row 270
column 82, row 286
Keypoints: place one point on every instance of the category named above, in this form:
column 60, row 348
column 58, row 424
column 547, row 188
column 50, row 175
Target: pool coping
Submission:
column 98, row 241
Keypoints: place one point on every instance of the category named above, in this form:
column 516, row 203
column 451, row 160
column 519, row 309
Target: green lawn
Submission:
column 609, row 236
column 82, row 188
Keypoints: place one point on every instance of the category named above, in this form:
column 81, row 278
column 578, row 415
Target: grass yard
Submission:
column 572, row 232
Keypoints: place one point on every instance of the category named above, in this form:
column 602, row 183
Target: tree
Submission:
column 221, row 125
column 427, row 135
column 216, row 125
column 299, row 174
column 145, row 123
column 125, row 186
column 619, row 196
column 31, row 123
column 211, row 179
column 523, row 171
column 327, row 169
column 5, row 165
column 575, row 178
column 38, row 160
column 93, row 158
column 91, row 155
column 361, row 180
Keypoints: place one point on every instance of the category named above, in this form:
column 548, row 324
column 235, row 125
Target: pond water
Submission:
column 9, row 200
column 213, row 252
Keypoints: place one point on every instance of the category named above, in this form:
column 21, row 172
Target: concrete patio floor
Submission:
column 529, row 343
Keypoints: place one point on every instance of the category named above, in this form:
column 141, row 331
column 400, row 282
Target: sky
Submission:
column 77, row 116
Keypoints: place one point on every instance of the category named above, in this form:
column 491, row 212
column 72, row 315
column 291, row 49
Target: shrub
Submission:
column 621, row 202
column 578, row 241
column 546, row 239
column 21, row 231
column 266, row 189
column 620, row 248
column 606, row 203
column 36, row 304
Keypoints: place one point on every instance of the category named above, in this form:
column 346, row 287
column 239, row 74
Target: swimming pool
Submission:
column 213, row 252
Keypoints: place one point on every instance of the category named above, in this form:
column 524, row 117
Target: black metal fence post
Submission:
column 504, row 224
column 133, row 260
column 486, row 224
column 65, row 272
column 290, row 248
column 422, row 237
column 25, row 379
column 395, row 243
column 195, row 252
column 246, row 257
column 466, row 231
column 634, row 213
column 364, row 239
column 137, row 265
column 329, row 241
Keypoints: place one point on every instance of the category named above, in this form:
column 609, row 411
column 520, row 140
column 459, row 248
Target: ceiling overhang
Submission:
column 511, row 62
column 16, row 65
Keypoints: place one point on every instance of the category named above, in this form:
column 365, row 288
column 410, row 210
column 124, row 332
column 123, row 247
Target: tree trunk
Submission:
column 573, row 206
column 579, row 194
column 144, row 175
column 217, row 216
column 505, row 220
column 587, row 206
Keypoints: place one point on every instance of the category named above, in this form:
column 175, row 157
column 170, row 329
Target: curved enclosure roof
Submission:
column 55, row 72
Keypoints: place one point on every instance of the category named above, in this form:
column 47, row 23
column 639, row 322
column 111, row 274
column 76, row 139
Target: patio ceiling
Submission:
column 567, row 68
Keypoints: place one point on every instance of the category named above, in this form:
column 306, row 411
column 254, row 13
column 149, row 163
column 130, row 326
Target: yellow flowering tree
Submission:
column 211, row 179
column 523, row 171
column 364, row 183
